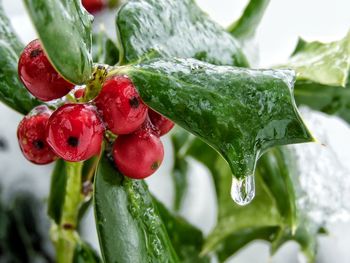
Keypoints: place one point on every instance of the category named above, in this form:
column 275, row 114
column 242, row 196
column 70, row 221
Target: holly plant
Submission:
column 97, row 106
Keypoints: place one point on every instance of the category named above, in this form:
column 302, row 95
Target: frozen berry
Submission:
column 93, row 6
column 39, row 76
column 31, row 136
column 138, row 155
column 162, row 124
column 120, row 105
column 75, row 132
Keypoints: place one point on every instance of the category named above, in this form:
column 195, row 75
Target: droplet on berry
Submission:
column 31, row 134
column 120, row 105
column 75, row 132
column 162, row 124
column 138, row 155
column 39, row 76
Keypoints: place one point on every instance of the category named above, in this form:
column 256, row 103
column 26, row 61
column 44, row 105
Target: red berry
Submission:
column 39, row 76
column 120, row 105
column 79, row 93
column 31, row 136
column 75, row 132
column 162, row 124
column 93, row 6
column 138, row 155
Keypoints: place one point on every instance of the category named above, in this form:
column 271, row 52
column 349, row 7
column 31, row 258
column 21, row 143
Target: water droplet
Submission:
column 243, row 190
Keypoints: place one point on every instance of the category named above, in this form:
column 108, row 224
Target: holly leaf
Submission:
column 245, row 27
column 276, row 172
column 104, row 50
column 180, row 167
column 57, row 191
column 272, row 216
column 257, row 220
column 322, row 63
column 186, row 239
column 153, row 27
column 129, row 226
column 323, row 79
column 84, row 253
column 12, row 91
column 239, row 112
column 64, row 28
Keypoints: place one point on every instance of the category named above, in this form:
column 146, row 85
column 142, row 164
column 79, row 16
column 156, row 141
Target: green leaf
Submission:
column 84, row 253
column 245, row 27
column 174, row 29
column 128, row 224
column 239, row 112
column 104, row 50
column 180, row 168
column 12, row 91
column 64, row 28
column 305, row 235
column 234, row 242
column 260, row 213
column 328, row 99
column 322, row 63
column 57, row 191
column 276, row 174
column 186, row 239
column 7, row 33
column 239, row 226
column 272, row 216
column 179, row 176
column 323, row 81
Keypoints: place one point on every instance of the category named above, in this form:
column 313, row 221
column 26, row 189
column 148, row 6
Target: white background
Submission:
column 284, row 21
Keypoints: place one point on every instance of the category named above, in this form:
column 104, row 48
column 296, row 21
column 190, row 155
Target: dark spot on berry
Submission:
column 35, row 52
column 3, row 144
column 73, row 141
column 39, row 144
column 155, row 166
column 134, row 103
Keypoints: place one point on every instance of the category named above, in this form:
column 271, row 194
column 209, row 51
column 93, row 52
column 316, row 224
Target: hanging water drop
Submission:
column 243, row 190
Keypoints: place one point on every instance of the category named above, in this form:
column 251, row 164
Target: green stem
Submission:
column 67, row 237
column 93, row 87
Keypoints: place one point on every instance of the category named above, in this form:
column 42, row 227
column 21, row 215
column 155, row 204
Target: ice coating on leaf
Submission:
column 323, row 63
column 174, row 29
column 239, row 112
column 324, row 170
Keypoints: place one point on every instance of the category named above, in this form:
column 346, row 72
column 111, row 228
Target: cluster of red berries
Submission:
column 75, row 131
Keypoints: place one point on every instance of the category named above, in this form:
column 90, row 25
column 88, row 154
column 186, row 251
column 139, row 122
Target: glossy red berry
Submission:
column 31, row 136
column 79, row 93
column 162, row 124
column 75, row 132
column 93, row 6
column 120, row 105
column 138, row 155
column 39, row 76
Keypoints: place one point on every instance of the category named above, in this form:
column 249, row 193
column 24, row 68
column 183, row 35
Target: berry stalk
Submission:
column 64, row 235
